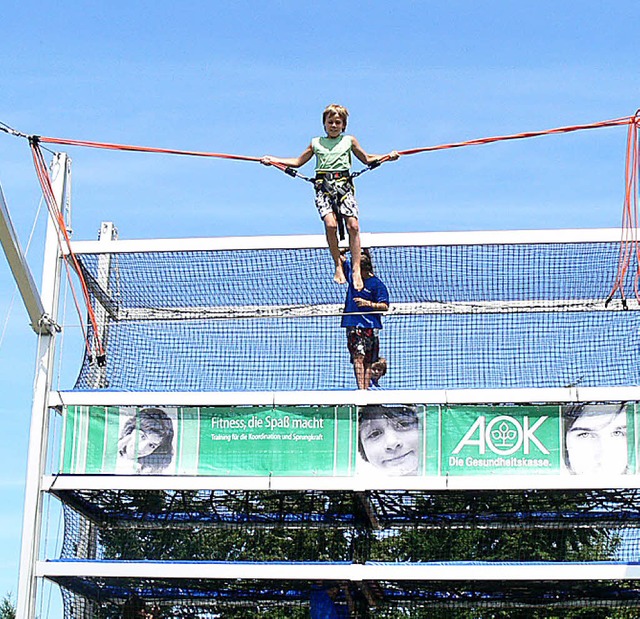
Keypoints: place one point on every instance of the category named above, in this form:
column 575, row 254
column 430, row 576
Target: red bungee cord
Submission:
column 64, row 239
column 629, row 245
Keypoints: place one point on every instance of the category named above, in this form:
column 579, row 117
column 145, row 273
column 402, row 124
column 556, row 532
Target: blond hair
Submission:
column 338, row 110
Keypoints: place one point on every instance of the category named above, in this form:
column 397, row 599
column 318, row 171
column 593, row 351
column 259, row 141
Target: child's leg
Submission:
column 331, row 232
column 367, row 376
column 353, row 227
column 360, row 370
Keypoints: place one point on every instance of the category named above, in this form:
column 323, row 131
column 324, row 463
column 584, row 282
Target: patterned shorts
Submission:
column 363, row 343
column 348, row 206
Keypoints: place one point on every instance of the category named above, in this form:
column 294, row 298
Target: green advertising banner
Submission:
column 311, row 440
column 372, row 441
column 515, row 440
column 275, row 441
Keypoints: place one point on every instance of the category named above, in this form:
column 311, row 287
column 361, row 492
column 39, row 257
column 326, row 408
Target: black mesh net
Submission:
column 87, row 598
column 483, row 316
column 362, row 527
column 478, row 316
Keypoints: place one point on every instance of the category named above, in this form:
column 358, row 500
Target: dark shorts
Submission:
column 363, row 343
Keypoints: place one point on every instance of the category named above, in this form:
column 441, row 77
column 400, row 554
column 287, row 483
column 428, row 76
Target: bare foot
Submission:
column 338, row 276
column 357, row 280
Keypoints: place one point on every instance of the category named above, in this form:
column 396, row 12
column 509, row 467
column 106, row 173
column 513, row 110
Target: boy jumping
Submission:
column 335, row 193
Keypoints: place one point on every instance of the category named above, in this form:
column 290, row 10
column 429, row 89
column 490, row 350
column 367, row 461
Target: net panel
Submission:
column 86, row 598
column 390, row 526
column 384, row 508
column 464, row 316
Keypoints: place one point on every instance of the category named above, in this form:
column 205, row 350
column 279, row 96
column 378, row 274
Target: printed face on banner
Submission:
column 596, row 439
column 390, row 440
column 146, row 441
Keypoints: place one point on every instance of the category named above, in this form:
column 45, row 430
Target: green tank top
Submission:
column 332, row 154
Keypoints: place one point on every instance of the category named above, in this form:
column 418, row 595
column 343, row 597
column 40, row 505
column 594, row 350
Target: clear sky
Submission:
column 252, row 78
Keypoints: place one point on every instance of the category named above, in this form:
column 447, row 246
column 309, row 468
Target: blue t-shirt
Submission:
column 374, row 290
column 323, row 607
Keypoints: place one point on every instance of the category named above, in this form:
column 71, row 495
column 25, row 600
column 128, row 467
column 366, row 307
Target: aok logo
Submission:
column 503, row 435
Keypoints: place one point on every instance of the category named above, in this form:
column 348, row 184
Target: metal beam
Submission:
column 542, row 571
column 497, row 483
column 549, row 395
column 40, row 320
column 369, row 239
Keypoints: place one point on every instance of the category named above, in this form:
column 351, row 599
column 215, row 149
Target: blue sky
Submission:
column 252, row 78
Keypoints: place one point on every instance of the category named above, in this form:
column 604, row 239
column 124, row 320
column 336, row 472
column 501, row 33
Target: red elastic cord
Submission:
column 629, row 234
column 58, row 219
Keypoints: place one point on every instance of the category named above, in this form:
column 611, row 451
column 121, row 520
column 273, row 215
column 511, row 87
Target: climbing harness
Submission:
column 336, row 186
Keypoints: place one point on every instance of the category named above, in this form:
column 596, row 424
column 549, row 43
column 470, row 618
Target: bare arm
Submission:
column 379, row 307
column 368, row 159
column 292, row 162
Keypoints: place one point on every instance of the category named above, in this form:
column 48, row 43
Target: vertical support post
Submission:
column 108, row 233
column 39, row 431
column 88, row 530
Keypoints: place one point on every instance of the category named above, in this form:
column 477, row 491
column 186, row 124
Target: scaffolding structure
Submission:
column 357, row 537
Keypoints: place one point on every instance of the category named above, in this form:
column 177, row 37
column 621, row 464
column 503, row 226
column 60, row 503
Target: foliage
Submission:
column 7, row 607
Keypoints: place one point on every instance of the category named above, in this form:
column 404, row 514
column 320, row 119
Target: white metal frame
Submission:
column 32, row 567
column 52, row 483
column 356, row 397
column 332, row 571
column 108, row 234
column 40, row 322
column 369, row 239
column 39, row 435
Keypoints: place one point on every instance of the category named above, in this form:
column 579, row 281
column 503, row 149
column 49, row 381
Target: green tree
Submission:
column 7, row 607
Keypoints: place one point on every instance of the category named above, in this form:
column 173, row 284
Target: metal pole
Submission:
column 39, row 432
column 40, row 322
column 108, row 233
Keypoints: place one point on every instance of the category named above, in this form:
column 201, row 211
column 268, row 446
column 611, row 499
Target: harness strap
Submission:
column 325, row 181
column 336, row 186
column 333, row 175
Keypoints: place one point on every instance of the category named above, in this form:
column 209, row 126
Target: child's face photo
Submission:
column 148, row 442
column 596, row 443
column 392, row 443
column 333, row 125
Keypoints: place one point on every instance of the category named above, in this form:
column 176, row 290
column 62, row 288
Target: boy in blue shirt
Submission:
column 335, row 193
column 362, row 328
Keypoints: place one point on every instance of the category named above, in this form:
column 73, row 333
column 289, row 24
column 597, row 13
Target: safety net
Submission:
column 411, row 528
column 461, row 316
column 554, row 526
column 91, row 598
